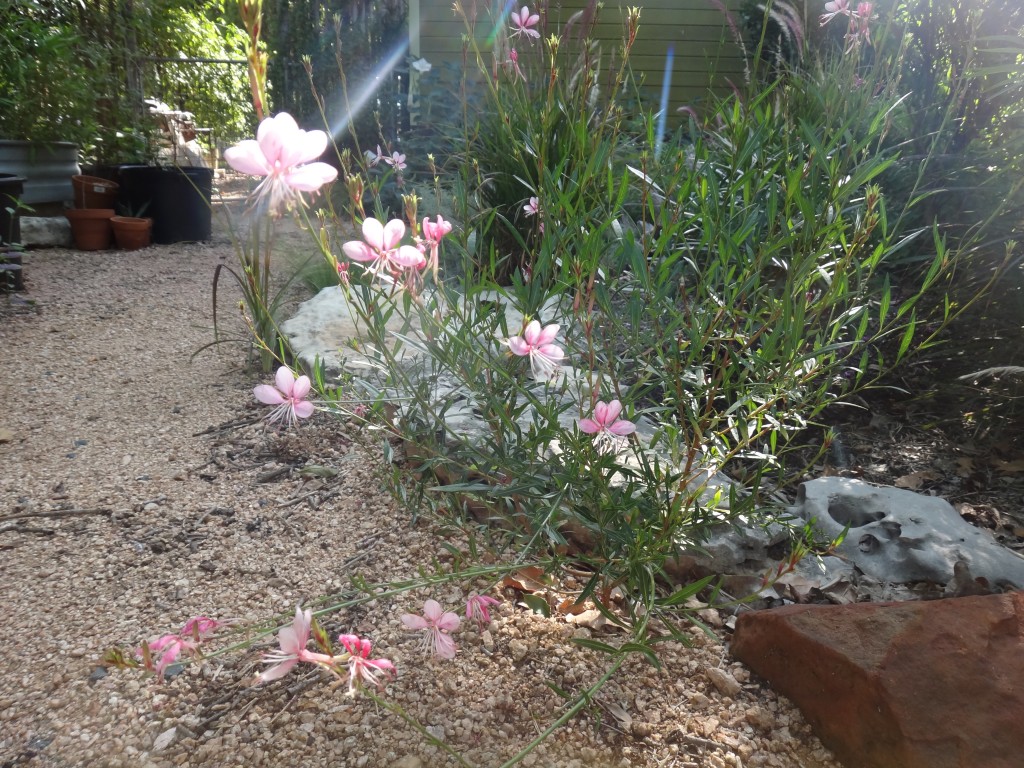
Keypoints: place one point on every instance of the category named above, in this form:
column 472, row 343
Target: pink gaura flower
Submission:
column 535, row 343
column 293, row 640
column 382, row 250
column 523, row 23
column 833, row 9
column 361, row 668
column 288, row 394
column 396, row 161
column 864, row 18
column 438, row 623
column 169, row 647
column 433, row 233
column 478, row 609
column 606, row 422
column 373, row 158
column 532, row 208
column 283, row 153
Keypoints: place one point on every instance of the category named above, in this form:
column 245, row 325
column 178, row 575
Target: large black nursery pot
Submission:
column 181, row 205
column 11, row 190
column 138, row 183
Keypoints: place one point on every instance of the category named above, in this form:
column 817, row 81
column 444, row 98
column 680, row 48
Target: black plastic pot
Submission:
column 181, row 205
column 137, row 185
column 11, row 190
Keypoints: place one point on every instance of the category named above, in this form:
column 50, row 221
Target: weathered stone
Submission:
column 900, row 536
column 726, row 684
column 324, row 329
column 45, row 231
column 900, row 685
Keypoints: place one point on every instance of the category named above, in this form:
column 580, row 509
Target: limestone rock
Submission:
column 45, row 231
column 726, row 684
column 325, row 327
column 900, row 685
column 901, row 536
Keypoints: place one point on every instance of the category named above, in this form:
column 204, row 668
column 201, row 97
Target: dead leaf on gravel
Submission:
column 571, row 606
column 965, row 466
column 1010, row 467
column 592, row 618
column 163, row 741
column 528, row 579
column 625, row 719
column 916, row 480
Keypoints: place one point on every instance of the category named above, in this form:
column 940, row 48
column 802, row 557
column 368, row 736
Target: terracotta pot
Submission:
column 94, row 192
column 90, row 227
column 131, row 233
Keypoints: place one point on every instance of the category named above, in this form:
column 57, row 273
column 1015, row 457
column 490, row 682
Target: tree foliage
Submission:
column 80, row 69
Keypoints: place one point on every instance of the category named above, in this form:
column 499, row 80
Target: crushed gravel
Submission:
column 139, row 489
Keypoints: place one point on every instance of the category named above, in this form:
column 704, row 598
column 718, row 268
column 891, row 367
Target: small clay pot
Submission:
column 90, row 227
column 131, row 233
column 94, row 192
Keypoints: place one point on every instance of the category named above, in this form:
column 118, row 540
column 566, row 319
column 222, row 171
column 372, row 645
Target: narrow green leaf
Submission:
column 595, row 645
column 908, row 336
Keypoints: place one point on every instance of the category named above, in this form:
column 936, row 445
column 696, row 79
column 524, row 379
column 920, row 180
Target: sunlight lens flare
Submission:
column 375, row 81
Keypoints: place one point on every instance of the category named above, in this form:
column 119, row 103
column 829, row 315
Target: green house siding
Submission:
column 705, row 55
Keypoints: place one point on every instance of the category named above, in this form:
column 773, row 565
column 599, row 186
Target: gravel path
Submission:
column 134, row 495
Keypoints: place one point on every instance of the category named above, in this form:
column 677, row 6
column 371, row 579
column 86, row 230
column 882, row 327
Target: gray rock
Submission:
column 901, row 536
column 45, row 231
column 325, row 328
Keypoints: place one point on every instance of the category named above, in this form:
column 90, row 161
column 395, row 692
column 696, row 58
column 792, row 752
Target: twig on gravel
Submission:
column 57, row 513
column 297, row 690
column 222, row 706
column 303, row 497
column 364, row 546
column 228, row 426
column 273, row 474
column 14, row 527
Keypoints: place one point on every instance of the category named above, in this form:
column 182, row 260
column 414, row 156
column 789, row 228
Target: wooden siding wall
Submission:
column 705, row 55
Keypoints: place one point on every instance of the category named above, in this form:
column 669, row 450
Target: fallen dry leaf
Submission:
column 528, row 579
column 1010, row 467
column 592, row 618
column 571, row 606
column 916, row 480
column 625, row 719
column 965, row 466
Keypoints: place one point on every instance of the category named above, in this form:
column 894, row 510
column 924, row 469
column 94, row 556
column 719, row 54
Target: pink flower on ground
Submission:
column 381, row 248
column 477, row 609
column 438, row 623
column 293, row 641
column 535, row 343
column 396, row 161
column 606, row 422
column 169, row 647
column 283, row 153
column 833, row 9
column 523, row 23
column 433, row 233
column 361, row 668
column 288, row 394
